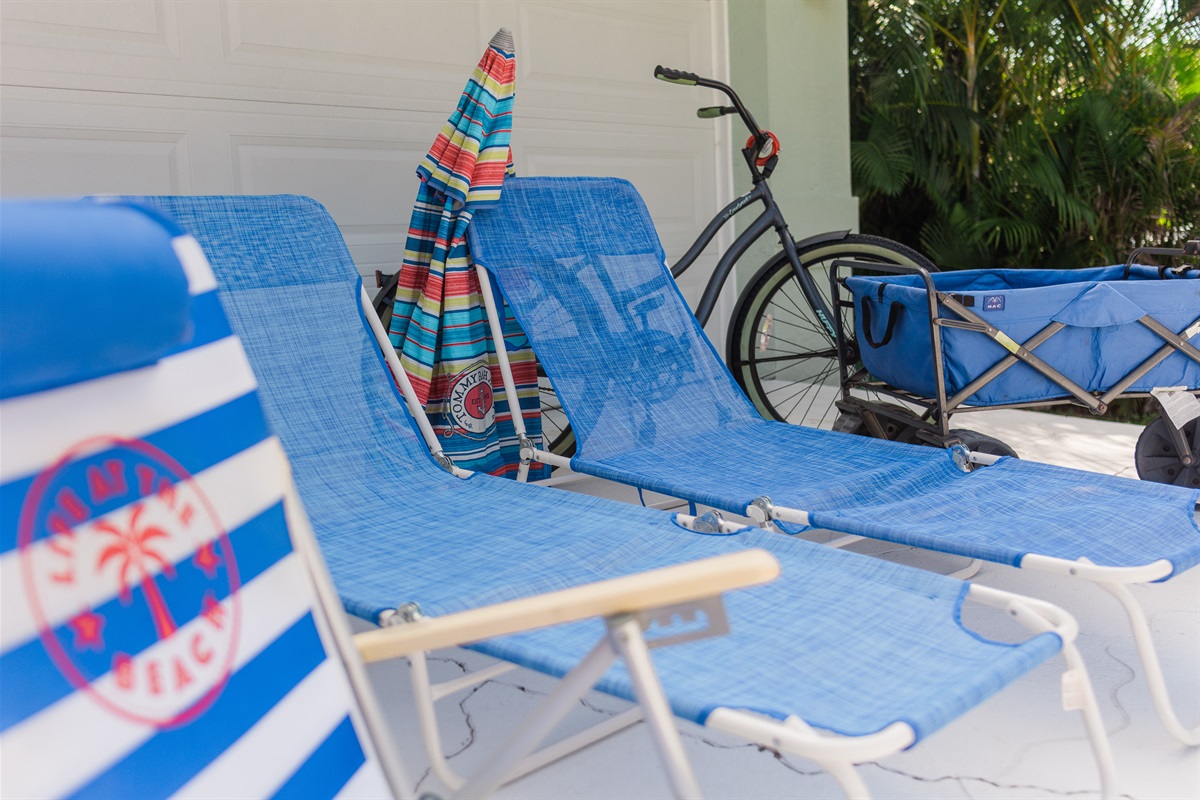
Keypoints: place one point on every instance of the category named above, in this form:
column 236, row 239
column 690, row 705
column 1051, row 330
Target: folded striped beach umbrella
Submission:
column 439, row 325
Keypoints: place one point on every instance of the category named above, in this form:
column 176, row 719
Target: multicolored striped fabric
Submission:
column 439, row 325
column 160, row 631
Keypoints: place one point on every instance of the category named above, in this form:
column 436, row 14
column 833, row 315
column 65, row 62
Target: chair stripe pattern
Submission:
column 159, row 632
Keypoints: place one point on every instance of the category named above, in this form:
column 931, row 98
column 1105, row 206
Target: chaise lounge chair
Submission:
column 873, row 655
column 653, row 406
column 168, row 625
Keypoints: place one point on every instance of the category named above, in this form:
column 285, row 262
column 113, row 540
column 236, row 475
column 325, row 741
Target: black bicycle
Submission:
column 782, row 342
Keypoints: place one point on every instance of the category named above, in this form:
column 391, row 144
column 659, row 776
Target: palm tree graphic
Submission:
column 135, row 551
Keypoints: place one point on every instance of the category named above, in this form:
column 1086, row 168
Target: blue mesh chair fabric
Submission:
column 653, row 406
column 847, row 643
column 160, row 634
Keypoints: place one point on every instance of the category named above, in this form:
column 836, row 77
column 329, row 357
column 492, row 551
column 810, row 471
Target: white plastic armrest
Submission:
column 668, row 586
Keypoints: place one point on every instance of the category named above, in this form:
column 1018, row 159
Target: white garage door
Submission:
column 339, row 100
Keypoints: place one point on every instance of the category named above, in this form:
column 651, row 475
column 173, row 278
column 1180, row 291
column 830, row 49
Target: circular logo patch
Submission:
column 471, row 408
column 131, row 580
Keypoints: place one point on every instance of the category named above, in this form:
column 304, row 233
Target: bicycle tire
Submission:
column 557, row 436
column 791, row 374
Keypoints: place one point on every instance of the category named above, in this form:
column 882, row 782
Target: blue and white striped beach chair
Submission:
column 652, row 405
column 168, row 626
column 841, row 660
column 162, row 630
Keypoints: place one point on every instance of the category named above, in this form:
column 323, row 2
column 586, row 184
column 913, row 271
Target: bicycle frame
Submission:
column 770, row 217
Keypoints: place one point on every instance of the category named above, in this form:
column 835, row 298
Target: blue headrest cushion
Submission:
column 86, row 289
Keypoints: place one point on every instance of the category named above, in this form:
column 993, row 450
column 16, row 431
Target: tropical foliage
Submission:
column 1027, row 133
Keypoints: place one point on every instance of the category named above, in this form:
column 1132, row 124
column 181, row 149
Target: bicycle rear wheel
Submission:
column 780, row 354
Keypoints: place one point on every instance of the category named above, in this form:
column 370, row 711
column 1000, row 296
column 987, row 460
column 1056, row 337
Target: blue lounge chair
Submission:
column 652, row 406
column 873, row 655
column 168, row 625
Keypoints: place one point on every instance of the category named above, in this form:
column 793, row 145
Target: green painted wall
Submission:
column 789, row 63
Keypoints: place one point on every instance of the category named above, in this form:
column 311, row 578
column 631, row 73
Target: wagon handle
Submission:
column 893, row 316
column 1191, row 248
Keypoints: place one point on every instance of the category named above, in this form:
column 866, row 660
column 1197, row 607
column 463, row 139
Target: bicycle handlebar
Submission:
column 692, row 79
column 676, row 76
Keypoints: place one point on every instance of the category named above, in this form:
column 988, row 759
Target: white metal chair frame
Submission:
column 835, row 753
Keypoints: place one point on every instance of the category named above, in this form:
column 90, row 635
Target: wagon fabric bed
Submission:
column 971, row 340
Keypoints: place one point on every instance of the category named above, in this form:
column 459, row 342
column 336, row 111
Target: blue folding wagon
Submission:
column 973, row 340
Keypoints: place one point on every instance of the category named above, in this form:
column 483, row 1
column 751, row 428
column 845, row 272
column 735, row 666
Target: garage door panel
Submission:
column 48, row 161
column 411, row 55
column 354, row 38
column 600, row 45
column 599, row 58
column 360, row 173
column 250, row 50
column 129, row 27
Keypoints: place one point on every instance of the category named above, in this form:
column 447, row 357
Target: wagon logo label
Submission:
column 131, row 580
column 471, row 408
column 993, row 302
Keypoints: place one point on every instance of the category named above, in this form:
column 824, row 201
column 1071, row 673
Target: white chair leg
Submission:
column 427, row 717
column 626, row 635
column 1083, row 698
column 1150, row 664
column 538, row 725
column 844, row 772
column 848, row 778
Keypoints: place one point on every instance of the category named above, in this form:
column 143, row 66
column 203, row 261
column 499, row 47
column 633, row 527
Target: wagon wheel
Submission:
column 1157, row 457
column 982, row 443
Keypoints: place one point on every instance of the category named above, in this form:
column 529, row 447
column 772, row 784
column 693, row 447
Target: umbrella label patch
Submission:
column 131, row 581
column 472, row 409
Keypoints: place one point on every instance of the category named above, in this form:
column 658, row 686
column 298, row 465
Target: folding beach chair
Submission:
column 845, row 659
column 168, row 625
column 653, row 406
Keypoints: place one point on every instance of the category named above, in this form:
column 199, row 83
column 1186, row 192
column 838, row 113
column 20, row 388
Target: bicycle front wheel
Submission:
column 557, row 436
column 779, row 352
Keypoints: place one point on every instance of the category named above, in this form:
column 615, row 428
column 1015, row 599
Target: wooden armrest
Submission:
column 684, row 583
